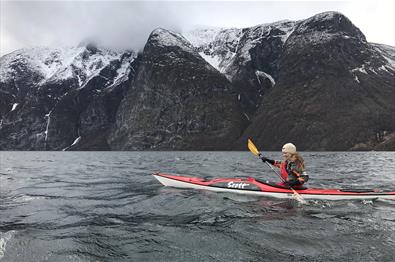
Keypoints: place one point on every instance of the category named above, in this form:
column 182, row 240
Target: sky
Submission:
column 127, row 24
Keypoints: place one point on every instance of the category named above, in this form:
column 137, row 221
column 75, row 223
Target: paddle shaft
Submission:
column 274, row 170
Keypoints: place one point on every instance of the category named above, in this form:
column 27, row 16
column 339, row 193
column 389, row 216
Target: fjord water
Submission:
column 106, row 206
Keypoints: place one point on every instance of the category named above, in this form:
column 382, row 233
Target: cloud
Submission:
column 122, row 24
column 127, row 24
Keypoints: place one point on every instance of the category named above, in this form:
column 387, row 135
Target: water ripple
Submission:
column 106, row 206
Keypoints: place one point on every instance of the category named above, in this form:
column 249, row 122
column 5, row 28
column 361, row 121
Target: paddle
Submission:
column 256, row 152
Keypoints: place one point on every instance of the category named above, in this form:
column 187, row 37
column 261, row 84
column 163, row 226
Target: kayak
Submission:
column 252, row 186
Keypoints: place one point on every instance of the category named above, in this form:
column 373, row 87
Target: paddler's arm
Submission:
column 299, row 178
column 270, row 161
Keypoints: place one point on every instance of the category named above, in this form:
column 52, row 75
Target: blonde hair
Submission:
column 299, row 161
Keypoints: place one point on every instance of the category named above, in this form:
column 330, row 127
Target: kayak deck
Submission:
column 251, row 186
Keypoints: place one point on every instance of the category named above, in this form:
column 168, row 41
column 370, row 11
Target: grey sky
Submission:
column 127, row 24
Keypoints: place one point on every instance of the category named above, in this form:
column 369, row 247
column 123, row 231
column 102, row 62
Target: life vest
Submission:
column 284, row 172
column 293, row 182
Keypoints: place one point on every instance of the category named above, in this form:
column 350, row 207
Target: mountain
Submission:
column 51, row 98
column 315, row 82
column 177, row 101
column 248, row 57
column 334, row 91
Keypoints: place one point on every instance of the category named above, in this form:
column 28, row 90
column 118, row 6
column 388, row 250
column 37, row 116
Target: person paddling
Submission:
column 292, row 167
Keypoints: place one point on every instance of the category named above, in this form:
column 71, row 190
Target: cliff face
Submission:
column 247, row 57
column 52, row 98
column 334, row 90
column 177, row 101
column 86, row 115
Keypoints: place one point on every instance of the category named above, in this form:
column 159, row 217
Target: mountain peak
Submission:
column 328, row 15
column 330, row 22
column 167, row 38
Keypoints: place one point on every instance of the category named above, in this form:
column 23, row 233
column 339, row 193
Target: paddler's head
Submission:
column 288, row 151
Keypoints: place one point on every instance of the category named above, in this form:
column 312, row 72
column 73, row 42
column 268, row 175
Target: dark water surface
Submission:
column 105, row 206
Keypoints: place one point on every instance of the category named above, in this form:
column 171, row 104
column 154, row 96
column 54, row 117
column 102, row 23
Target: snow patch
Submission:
column 122, row 72
column 212, row 60
column 265, row 75
column 360, row 69
column 202, row 35
column 218, row 46
column 388, row 53
column 48, row 116
column 390, row 61
column 248, row 118
column 288, row 31
column 14, row 106
column 76, row 141
column 80, row 82
column 167, row 38
column 383, row 68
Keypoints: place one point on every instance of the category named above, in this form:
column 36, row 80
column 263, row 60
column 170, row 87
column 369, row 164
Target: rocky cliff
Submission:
column 177, row 101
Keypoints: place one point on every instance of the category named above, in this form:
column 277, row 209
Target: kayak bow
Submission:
column 252, row 186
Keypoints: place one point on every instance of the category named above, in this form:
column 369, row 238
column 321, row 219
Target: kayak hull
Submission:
column 250, row 186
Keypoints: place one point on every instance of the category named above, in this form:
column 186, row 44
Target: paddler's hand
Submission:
column 264, row 159
column 301, row 179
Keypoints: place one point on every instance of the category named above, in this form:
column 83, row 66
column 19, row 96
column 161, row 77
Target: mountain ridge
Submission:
column 282, row 81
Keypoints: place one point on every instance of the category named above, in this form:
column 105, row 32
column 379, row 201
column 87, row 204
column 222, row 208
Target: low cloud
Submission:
column 115, row 24
column 127, row 24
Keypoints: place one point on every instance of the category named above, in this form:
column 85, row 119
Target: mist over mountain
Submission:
column 315, row 82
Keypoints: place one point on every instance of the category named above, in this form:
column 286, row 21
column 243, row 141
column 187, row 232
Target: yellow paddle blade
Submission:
column 252, row 147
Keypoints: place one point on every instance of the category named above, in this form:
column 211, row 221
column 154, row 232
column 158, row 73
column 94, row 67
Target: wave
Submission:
column 4, row 238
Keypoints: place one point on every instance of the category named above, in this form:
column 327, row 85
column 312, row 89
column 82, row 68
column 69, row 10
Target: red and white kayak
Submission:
column 251, row 186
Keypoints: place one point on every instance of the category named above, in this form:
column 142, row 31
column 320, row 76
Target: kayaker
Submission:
column 292, row 167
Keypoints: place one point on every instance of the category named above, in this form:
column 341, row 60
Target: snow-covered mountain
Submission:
column 59, row 64
column 316, row 82
column 227, row 49
column 35, row 82
column 224, row 47
column 248, row 57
